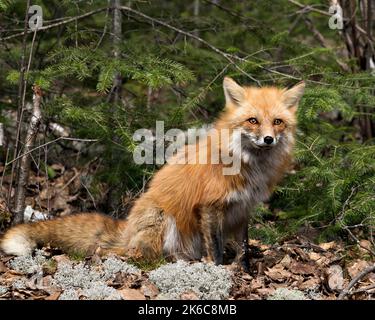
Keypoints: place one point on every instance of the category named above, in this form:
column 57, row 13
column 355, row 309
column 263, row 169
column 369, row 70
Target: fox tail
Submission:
column 82, row 233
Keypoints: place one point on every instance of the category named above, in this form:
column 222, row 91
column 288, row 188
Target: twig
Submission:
column 70, row 181
column 105, row 27
column 372, row 252
column 310, row 8
column 352, row 283
column 50, row 142
column 230, row 12
column 364, row 289
column 89, row 193
column 57, row 24
column 347, row 228
column 319, row 37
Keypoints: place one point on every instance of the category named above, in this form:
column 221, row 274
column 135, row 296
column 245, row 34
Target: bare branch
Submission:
column 357, row 278
column 310, row 8
column 57, row 24
column 48, row 143
column 319, row 37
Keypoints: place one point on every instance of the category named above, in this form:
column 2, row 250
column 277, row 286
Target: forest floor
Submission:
column 296, row 269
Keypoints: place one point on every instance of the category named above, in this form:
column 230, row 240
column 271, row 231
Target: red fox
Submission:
column 190, row 211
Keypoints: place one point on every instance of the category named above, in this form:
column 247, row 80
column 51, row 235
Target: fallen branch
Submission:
column 352, row 283
column 364, row 289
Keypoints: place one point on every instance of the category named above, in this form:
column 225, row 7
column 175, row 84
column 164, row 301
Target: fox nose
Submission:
column 268, row 140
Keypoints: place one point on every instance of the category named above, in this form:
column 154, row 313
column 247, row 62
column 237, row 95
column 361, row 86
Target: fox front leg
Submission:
column 245, row 253
column 218, row 243
column 212, row 235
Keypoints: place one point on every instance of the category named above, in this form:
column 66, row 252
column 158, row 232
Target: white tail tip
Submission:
column 15, row 242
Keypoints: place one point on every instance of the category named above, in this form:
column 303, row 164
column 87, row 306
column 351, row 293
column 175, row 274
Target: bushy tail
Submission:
column 82, row 233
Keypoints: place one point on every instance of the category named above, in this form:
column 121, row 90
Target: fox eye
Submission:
column 253, row 120
column 277, row 122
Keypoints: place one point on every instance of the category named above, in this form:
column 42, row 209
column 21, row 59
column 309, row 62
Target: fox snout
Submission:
column 264, row 140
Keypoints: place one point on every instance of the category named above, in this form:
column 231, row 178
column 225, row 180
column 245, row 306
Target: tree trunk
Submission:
column 115, row 98
column 20, row 99
column 25, row 160
column 359, row 43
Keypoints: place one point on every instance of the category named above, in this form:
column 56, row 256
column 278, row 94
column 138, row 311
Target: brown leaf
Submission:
column 356, row 267
column 310, row 284
column 247, row 277
column 62, row 258
column 365, row 244
column 189, row 295
column 265, row 291
column 335, row 278
column 131, row 294
column 3, row 267
column 304, row 256
column 256, row 283
column 286, row 261
column 54, row 296
column 314, row 256
column 328, row 245
column 302, row 268
column 149, row 290
column 278, row 273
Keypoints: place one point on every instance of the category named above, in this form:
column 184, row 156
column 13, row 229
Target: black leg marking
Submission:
column 218, row 245
column 245, row 253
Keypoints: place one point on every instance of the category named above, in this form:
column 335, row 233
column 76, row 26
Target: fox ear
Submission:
column 292, row 96
column 234, row 93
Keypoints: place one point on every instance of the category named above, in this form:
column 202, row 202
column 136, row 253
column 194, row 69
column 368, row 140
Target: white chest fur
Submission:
column 258, row 172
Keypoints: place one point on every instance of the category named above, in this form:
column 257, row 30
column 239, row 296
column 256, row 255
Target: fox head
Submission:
column 265, row 116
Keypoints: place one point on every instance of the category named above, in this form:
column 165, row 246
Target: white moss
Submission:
column 75, row 276
column 28, row 264
column 19, row 284
column 313, row 294
column 90, row 281
column 112, row 265
column 207, row 281
column 69, row 294
column 100, row 291
column 3, row 290
column 287, row 294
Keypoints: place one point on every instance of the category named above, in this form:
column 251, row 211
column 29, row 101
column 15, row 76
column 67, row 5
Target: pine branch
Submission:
column 231, row 58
